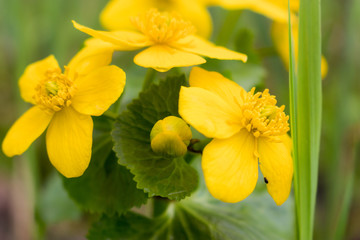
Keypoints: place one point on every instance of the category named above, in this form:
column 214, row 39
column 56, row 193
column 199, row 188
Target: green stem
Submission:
column 160, row 205
column 149, row 78
column 197, row 146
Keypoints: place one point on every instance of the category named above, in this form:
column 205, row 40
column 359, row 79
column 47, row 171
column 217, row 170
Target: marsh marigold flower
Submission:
column 249, row 130
column 170, row 40
column 273, row 9
column 280, row 35
column 117, row 13
column 277, row 10
column 63, row 103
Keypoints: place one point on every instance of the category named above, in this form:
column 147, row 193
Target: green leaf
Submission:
column 203, row 217
column 172, row 178
column 200, row 219
column 106, row 186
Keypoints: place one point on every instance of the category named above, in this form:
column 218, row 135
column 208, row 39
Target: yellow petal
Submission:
column 68, row 142
column 269, row 9
column 34, row 73
column 95, row 54
column 98, row 43
column 98, row 90
column 208, row 113
column 324, row 67
column 277, row 167
column 196, row 13
column 286, row 139
column 294, row 4
column 228, row 90
column 124, row 40
column 276, row 10
column 25, row 130
column 117, row 13
column 203, row 47
column 230, row 167
column 211, row 2
column 162, row 58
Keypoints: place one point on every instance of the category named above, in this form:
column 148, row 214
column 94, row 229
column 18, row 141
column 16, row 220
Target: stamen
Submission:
column 54, row 92
column 261, row 115
column 163, row 27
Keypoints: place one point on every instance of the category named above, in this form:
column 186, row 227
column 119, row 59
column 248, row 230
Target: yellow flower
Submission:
column 273, row 9
column 117, row 13
column 277, row 10
column 63, row 103
column 280, row 35
column 170, row 40
column 248, row 130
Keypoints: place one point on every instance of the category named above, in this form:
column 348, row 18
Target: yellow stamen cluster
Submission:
column 262, row 117
column 54, row 91
column 163, row 27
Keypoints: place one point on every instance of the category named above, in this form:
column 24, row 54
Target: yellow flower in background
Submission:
column 273, row 9
column 117, row 13
column 63, row 103
column 277, row 10
column 170, row 40
column 280, row 35
column 249, row 130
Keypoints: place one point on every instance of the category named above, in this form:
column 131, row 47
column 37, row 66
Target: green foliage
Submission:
column 245, row 43
column 161, row 176
column 54, row 204
column 106, row 186
column 203, row 217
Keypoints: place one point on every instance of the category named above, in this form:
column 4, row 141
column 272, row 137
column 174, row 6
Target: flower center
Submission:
column 163, row 27
column 54, row 91
column 261, row 115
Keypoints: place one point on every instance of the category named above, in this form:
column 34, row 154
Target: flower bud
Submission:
column 170, row 137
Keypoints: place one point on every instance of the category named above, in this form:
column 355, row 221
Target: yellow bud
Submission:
column 170, row 137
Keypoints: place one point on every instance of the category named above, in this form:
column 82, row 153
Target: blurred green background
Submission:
column 33, row 203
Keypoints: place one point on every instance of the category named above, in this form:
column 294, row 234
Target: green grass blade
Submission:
column 306, row 104
column 293, row 111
